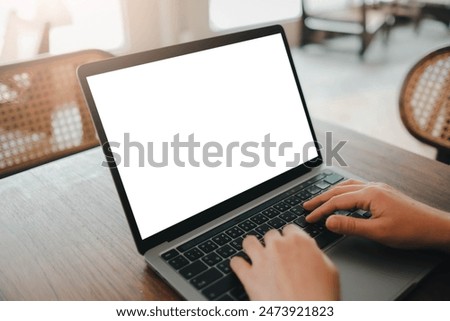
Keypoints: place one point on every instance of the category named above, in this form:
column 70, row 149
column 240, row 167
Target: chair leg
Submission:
column 443, row 156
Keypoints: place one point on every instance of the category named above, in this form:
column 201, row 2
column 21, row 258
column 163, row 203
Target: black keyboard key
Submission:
column 333, row 178
column 221, row 239
column 299, row 210
column 178, row 262
column 293, row 200
column 288, row 216
column 193, row 254
column 206, row 278
column 225, row 297
column 259, row 219
column 258, row 236
column 224, row 266
column 247, row 225
column 342, row 212
column 322, row 185
column 234, row 232
column 303, row 195
column 363, row 213
column 239, row 294
column 169, row 254
column 226, row 251
column 211, row 259
column 301, row 221
column 237, row 243
column 262, row 229
column 193, row 269
column 270, row 212
column 326, row 238
column 215, row 290
column 314, row 179
column 208, row 246
column 313, row 189
column 312, row 230
column 276, row 223
column 282, row 206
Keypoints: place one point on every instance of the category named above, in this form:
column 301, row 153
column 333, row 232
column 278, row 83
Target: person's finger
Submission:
column 240, row 266
column 350, row 182
column 290, row 229
column 252, row 247
column 322, row 198
column 351, row 226
column 345, row 201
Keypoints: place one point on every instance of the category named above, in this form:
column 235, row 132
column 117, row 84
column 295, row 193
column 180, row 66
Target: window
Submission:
column 229, row 14
column 75, row 25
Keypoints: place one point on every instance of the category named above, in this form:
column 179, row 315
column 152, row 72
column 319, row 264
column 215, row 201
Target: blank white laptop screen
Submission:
column 218, row 106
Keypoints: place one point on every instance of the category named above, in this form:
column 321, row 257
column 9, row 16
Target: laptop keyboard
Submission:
column 205, row 260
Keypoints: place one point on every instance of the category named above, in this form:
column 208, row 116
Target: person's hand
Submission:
column 289, row 267
column 397, row 220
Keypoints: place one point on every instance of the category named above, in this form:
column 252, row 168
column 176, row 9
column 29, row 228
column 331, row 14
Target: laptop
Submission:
column 210, row 141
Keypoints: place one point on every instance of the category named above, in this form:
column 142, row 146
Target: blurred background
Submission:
column 351, row 56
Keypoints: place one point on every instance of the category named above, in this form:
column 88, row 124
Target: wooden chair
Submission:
column 43, row 115
column 348, row 18
column 425, row 102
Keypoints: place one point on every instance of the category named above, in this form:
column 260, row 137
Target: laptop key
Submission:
column 169, row 254
column 363, row 213
column 342, row 212
column 258, row 236
column 215, row 290
column 193, row 254
column 333, row 178
column 234, row 232
column 313, row 189
column 326, row 238
column 303, row 195
column 211, row 259
column 221, row 239
column 225, row 297
column 224, row 266
column 193, row 269
column 208, row 277
column 288, row 216
column 322, row 185
column 259, row 219
column 247, row 225
column 178, row 262
column 270, row 212
column 312, row 230
column 299, row 210
column 226, row 251
column 282, row 206
column 301, row 221
column 208, row 246
column 276, row 222
column 239, row 294
column 262, row 229
column 293, row 200
column 237, row 243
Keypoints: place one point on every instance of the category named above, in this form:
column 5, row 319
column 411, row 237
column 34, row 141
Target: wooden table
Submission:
column 63, row 234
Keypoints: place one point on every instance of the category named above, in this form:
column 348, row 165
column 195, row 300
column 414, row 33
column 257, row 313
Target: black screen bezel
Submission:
column 227, row 205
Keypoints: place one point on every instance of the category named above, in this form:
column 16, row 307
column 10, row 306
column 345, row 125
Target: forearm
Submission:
column 437, row 230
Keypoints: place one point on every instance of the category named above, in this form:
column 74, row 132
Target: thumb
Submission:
column 350, row 225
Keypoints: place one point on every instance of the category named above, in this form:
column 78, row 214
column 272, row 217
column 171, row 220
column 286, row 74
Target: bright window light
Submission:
column 95, row 25
column 229, row 14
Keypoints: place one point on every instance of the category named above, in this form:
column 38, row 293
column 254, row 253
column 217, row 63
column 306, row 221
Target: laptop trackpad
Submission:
column 370, row 271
